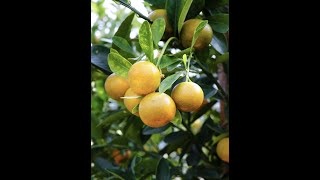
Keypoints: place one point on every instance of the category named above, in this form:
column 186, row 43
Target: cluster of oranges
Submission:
column 155, row 109
column 186, row 34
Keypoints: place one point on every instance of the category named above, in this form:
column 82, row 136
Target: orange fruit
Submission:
column 157, row 109
column 204, row 102
column 223, row 149
column 186, row 34
column 162, row 13
column 188, row 96
column 118, row 157
column 116, row 86
column 131, row 103
column 144, row 77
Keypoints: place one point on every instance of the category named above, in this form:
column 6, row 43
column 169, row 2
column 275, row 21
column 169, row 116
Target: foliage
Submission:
column 186, row 147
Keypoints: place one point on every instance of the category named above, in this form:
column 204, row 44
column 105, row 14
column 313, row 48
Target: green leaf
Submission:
column 216, row 3
column 135, row 109
column 197, row 31
column 117, row 173
column 167, row 61
column 203, row 110
column 219, row 43
column 158, row 26
column 163, row 171
column 223, row 58
column 173, row 66
column 172, row 8
column 125, row 28
column 145, row 40
column 168, row 81
column 114, row 117
column 183, row 13
column 99, row 58
column 136, row 160
column 208, row 93
column 119, row 65
column 149, row 130
column 196, row 7
column 157, row 4
column 219, row 22
column 123, row 44
column 133, row 131
column 177, row 118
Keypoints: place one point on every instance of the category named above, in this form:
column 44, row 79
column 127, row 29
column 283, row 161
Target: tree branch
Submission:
column 134, row 10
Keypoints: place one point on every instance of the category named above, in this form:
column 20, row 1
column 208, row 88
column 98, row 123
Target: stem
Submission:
column 134, row 10
column 218, row 138
column 188, row 67
column 163, row 49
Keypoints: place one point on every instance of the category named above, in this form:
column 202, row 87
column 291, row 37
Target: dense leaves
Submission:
column 122, row 146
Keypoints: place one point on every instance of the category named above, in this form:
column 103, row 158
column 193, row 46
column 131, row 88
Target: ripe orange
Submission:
column 157, row 109
column 144, row 77
column 223, row 149
column 131, row 103
column 116, row 86
column 187, row 31
column 162, row 13
column 204, row 102
column 118, row 157
column 188, row 96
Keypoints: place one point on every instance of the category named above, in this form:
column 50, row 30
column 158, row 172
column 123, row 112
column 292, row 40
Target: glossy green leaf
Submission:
column 114, row 117
column 136, row 160
column 219, row 22
column 177, row 118
column 157, row 4
column 149, row 130
column 183, row 13
column 117, row 173
column 134, row 129
column 123, row 44
column 173, row 66
column 99, row 58
column 167, row 61
column 203, row 110
column 158, row 26
column 145, row 40
column 197, row 31
column 173, row 8
column 216, row 3
column 222, row 58
column 125, row 28
column 168, row 81
column 163, row 170
column 219, row 43
column 196, row 7
column 118, row 64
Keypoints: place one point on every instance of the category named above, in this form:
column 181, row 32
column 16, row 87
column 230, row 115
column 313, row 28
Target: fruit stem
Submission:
column 134, row 10
column 218, row 138
column 163, row 49
column 188, row 68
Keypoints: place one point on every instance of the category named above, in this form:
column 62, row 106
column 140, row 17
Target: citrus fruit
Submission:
column 116, row 86
column 118, row 157
column 144, row 77
column 186, row 34
column 223, row 149
column 188, row 96
column 162, row 13
column 131, row 103
column 157, row 109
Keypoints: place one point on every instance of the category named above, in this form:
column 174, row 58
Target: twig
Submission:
column 134, row 10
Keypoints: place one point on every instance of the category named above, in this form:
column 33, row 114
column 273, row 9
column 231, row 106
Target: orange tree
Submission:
column 159, row 106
